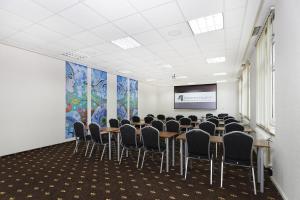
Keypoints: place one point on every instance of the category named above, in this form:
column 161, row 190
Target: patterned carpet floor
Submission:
column 54, row 173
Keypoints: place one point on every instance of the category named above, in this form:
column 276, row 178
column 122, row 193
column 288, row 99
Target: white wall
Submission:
column 32, row 100
column 286, row 163
column 227, row 101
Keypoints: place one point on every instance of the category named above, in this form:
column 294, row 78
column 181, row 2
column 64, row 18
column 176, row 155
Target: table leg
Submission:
column 118, row 146
column 185, row 150
column 167, row 154
column 258, row 166
column 109, row 145
column 261, row 168
column 181, row 157
column 173, row 151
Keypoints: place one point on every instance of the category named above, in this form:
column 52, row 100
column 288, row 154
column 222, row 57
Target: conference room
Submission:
column 149, row 99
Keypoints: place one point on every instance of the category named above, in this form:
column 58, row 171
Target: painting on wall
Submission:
column 99, row 97
column 122, row 97
column 133, row 102
column 76, row 96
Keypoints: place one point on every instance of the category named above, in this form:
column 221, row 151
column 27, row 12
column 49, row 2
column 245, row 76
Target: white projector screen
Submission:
column 195, row 97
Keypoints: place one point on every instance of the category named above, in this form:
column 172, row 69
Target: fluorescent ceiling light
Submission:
column 150, row 79
column 126, row 43
column 220, row 74
column 191, row 83
column 125, row 71
column 206, row 24
column 181, row 77
column 221, row 81
column 216, row 60
column 167, row 66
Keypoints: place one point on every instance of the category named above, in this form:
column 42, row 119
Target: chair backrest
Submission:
column 159, row 125
column 208, row 115
column 128, row 135
column 208, row 127
column 161, row 117
column 233, row 126
column 178, row 117
column 150, row 115
column 238, row 148
column 148, row 119
column 114, row 123
column 213, row 120
column 169, row 118
column 185, row 121
column 228, row 117
column 193, row 118
column 95, row 133
column 227, row 121
column 150, row 138
column 198, row 142
column 222, row 115
column 135, row 119
column 172, row 126
column 125, row 121
column 79, row 129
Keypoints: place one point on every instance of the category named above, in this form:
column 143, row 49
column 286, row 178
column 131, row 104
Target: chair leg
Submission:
column 76, row 146
column 162, row 161
column 92, row 149
column 253, row 176
column 138, row 160
column 222, row 165
column 127, row 153
column 87, row 148
column 211, row 170
column 186, row 166
column 143, row 159
column 121, row 156
column 104, row 147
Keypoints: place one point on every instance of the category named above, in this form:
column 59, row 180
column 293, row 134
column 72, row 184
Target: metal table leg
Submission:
column 261, row 169
column 167, row 154
column 181, row 157
column 118, row 146
column 173, row 151
column 109, row 145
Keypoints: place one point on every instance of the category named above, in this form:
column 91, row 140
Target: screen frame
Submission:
column 209, row 84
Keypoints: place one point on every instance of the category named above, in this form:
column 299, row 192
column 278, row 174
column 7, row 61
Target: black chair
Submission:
column 97, row 138
column 172, row 126
column 208, row 127
column 114, row 123
column 161, row 117
column 185, row 122
column 81, row 136
column 129, row 141
column 238, row 151
column 233, row 126
column 169, row 118
column 151, row 143
column 178, row 117
column 213, row 120
column 159, row 125
column 215, row 117
column 228, row 117
column 136, row 119
column 208, row 115
column 194, row 118
column 198, row 147
column 227, row 121
column 222, row 115
column 124, row 121
column 148, row 120
column 150, row 115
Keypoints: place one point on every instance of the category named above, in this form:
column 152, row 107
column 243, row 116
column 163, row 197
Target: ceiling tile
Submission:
column 159, row 47
column 56, row 5
column 234, row 17
column 43, row 33
column 146, row 4
column 6, row 32
column 108, row 47
column 109, row 32
column 59, row 24
column 69, row 44
column 175, row 31
column 12, row 21
column 149, row 37
column 133, row 24
column 87, row 38
column 231, row 4
column 193, row 9
column 112, row 9
column 164, row 15
column 211, row 38
column 25, row 9
column 24, row 40
column 83, row 16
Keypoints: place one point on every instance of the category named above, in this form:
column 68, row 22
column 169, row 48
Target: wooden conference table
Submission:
column 259, row 144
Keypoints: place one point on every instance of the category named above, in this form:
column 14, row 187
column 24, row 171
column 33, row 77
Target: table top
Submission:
column 247, row 129
column 186, row 126
column 219, row 139
column 109, row 129
column 162, row 134
column 138, row 123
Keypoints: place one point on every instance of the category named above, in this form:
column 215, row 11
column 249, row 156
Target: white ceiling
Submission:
column 86, row 27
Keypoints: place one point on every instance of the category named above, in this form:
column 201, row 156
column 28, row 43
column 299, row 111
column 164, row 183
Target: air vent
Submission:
column 75, row 55
column 256, row 30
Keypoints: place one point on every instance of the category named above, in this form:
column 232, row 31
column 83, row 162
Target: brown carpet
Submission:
column 54, row 173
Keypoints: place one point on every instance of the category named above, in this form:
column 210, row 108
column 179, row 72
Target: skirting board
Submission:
column 278, row 188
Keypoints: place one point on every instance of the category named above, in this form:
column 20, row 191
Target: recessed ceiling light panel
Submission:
column 222, row 81
column 220, row 74
column 126, row 43
column 207, row 24
column 216, row 60
column 125, row 71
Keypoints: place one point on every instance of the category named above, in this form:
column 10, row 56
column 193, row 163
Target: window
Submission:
column 244, row 92
column 265, row 91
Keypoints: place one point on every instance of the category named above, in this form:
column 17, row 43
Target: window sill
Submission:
column 270, row 132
